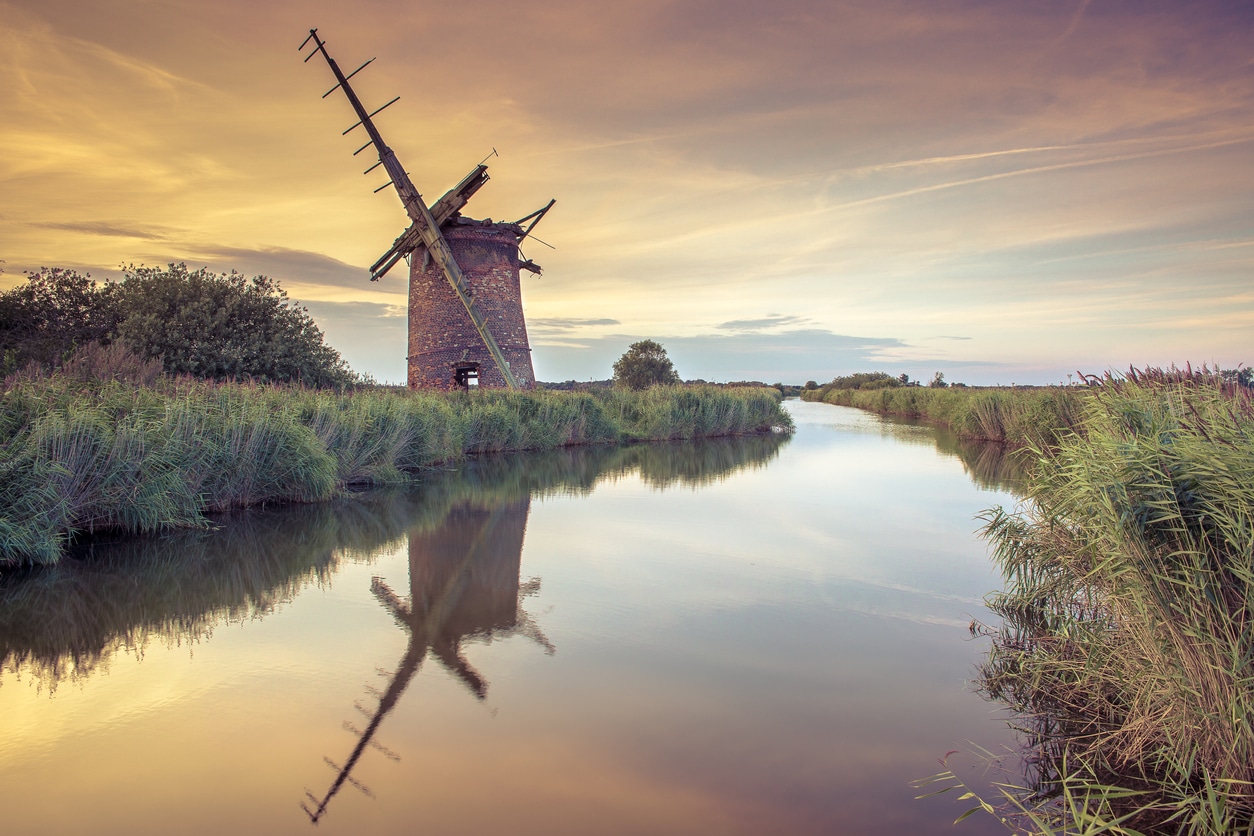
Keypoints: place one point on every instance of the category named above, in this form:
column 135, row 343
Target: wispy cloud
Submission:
column 286, row 264
column 1175, row 141
column 112, row 229
column 1074, row 24
column 1043, row 169
column 568, row 323
column 798, row 354
column 769, row 321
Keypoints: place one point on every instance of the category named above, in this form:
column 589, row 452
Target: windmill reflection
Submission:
column 464, row 583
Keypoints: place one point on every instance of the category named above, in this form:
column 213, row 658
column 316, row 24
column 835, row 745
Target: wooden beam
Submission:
column 442, row 211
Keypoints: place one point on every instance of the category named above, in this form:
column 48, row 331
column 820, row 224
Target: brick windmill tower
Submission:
column 466, row 325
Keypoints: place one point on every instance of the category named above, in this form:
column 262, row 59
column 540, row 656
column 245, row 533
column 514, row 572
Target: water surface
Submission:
column 760, row 635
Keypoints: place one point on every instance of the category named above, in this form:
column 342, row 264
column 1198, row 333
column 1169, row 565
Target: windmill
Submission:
column 464, row 274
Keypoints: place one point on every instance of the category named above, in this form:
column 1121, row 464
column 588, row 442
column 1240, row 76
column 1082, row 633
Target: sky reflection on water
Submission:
column 743, row 636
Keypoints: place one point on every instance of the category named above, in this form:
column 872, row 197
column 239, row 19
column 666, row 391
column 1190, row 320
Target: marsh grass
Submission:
column 81, row 455
column 1018, row 417
column 1127, row 639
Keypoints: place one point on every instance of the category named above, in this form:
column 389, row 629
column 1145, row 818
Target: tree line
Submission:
column 213, row 326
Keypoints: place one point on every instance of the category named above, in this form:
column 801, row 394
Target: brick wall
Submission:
column 442, row 336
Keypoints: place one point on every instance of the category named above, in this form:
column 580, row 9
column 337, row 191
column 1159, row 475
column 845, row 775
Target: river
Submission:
column 740, row 636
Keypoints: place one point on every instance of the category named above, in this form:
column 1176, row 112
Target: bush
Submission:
column 644, row 364
column 43, row 320
column 210, row 326
column 223, row 327
column 1012, row 416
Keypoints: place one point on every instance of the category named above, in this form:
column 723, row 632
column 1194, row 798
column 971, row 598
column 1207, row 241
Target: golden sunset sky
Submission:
column 789, row 190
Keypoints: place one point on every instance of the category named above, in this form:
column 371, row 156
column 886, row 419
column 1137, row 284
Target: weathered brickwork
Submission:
column 442, row 337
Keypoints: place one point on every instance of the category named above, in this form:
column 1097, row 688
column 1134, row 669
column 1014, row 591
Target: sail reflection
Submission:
column 464, row 583
column 465, row 578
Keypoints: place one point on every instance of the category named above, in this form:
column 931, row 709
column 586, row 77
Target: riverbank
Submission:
column 1128, row 618
column 1016, row 416
column 79, row 457
column 62, row 622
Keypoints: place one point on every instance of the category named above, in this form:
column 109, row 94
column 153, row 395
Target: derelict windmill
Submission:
column 465, row 302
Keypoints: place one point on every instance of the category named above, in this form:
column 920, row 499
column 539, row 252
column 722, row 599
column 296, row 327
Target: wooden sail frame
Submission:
column 424, row 223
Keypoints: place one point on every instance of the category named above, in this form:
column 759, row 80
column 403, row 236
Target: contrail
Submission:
column 1038, row 170
column 1074, row 24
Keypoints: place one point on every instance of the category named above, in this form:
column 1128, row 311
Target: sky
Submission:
column 1005, row 192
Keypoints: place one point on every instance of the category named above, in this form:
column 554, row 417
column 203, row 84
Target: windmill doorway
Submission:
column 466, row 375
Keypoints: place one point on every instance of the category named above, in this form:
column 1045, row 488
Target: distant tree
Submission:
column 811, row 385
column 904, row 379
column 1239, row 376
column 52, row 313
column 642, row 365
column 223, row 327
column 864, row 380
column 938, row 382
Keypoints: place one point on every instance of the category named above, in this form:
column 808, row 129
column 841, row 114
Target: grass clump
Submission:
column 79, row 454
column 1127, row 643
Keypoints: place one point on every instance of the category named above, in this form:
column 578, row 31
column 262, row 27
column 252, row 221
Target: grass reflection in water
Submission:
column 60, row 623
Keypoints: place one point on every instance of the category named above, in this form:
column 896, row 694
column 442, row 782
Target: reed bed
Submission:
column 1127, row 641
column 1018, row 417
column 80, row 456
column 63, row 622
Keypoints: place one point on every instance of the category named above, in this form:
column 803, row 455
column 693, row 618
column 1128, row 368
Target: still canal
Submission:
column 739, row 636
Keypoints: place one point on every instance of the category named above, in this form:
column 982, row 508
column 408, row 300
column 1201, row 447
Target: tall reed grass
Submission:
column 83, row 455
column 1127, row 642
column 1019, row 417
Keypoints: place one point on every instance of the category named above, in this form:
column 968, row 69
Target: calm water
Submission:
column 753, row 636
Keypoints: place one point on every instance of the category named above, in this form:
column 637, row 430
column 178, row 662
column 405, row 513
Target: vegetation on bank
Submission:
column 187, row 322
column 1020, row 416
column 1126, row 646
column 82, row 455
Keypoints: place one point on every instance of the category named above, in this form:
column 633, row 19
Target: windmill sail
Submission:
column 427, row 227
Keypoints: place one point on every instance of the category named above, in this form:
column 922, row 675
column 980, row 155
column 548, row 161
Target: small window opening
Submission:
column 466, row 376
